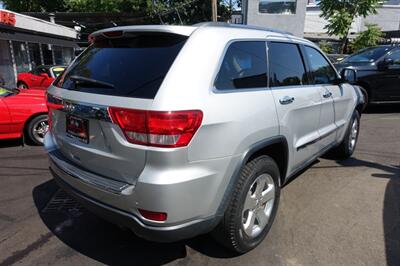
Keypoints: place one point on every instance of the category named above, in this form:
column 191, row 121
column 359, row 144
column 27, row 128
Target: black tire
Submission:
column 32, row 136
column 22, row 85
column 345, row 150
column 230, row 232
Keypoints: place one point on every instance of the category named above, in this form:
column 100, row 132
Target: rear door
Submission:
column 122, row 72
column 298, row 103
column 324, row 78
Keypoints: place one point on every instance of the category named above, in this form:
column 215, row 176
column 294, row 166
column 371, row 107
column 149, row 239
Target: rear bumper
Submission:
column 120, row 217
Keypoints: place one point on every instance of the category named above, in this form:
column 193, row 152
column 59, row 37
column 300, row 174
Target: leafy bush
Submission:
column 370, row 37
column 326, row 47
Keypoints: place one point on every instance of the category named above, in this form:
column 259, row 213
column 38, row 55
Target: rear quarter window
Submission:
column 244, row 66
column 134, row 66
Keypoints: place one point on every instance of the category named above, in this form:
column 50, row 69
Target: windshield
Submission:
column 6, row 92
column 368, row 55
column 129, row 67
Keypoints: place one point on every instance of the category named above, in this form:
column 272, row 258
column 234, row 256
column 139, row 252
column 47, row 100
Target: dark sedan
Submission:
column 378, row 72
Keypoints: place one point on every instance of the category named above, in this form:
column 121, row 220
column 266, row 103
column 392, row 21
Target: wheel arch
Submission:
column 275, row 147
column 361, row 104
column 365, row 86
column 22, row 81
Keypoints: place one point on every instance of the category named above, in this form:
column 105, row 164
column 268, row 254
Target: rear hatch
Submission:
column 119, row 69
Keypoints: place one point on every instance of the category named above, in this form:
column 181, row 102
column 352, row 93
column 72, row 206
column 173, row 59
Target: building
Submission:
column 285, row 15
column 26, row 42
column 387, row 18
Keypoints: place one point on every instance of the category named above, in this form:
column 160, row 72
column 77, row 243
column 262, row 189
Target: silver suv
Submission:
column 176, row 131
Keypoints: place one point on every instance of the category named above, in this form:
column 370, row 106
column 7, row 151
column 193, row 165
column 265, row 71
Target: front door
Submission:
column 297, row 102
column 5, row 119
column 389, row 80
column 324, row 77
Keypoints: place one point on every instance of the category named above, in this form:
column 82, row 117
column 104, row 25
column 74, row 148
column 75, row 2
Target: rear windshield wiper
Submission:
column 83, row 80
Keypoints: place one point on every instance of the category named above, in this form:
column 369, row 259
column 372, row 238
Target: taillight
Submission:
column 53, row 103
column 157, row 128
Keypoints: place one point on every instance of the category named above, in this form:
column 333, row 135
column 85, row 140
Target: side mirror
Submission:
column 388, row 61
column 348, row 75
column 385, row 63
column 44, row 75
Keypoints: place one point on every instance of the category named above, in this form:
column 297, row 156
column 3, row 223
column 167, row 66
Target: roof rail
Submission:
column 239, row 26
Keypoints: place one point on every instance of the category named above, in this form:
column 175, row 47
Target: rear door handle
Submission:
column 327, row 94
column 286, row 100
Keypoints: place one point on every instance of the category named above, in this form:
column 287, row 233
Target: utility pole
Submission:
column 214, row 10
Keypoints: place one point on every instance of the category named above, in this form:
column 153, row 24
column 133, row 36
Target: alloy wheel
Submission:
column 353, row 135
column 40, row 129
column 258, row 205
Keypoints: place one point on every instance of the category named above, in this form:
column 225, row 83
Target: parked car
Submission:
column 40, row 77
column 378, row 73
column 176, row 131
column 23, row 114
column 336, row 58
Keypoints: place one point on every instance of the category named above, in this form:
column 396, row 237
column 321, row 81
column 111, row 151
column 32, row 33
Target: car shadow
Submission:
column 107, row 243
column 9, row 143
column 391, row 206
column 382, row 109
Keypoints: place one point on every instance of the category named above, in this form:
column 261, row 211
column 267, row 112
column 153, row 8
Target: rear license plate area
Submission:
column 77, row 127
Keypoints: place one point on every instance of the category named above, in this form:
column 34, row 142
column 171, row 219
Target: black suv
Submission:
column 378, row 72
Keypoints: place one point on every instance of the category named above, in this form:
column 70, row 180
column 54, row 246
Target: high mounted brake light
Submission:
column 113, row 34
column 169, row 129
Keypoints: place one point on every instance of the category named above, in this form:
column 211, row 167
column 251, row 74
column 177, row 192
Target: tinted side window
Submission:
column 286, row 65
column 320, row 68
column 244, row 66
column 395, row 56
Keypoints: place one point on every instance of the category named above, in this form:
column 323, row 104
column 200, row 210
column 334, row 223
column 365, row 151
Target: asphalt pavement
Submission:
column 335, row 213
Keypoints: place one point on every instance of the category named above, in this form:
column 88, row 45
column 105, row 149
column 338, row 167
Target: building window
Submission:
column 63, row 55
column 313, row 2
column 277, row 6
column 47, row 54
column 7, row 77
column 21, row 56
column 34, row 53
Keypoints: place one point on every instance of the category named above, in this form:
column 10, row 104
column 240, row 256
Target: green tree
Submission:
column 108, row 6
column 326, row 47
column 163, row 11
column 340, row 14
column 367, row 38
column 34, row 5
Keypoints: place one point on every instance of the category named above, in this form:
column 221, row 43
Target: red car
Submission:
column 23, row 113
column 40, row 77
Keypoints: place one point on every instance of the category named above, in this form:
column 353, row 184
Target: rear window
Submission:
column 129, row 67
